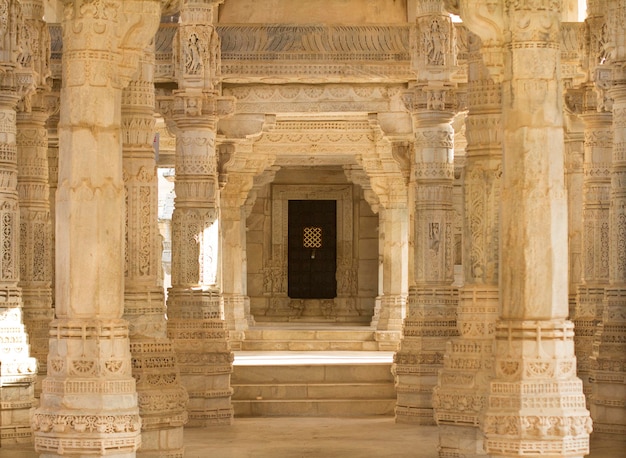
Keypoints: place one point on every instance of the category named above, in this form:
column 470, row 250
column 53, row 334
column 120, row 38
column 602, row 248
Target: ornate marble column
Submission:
column 535, row 402
column 239, row 166
column 162, row 399
column 460, row 397
column 384, row 180
column 196, row 323
column 608, row 371
column 431, row 313
column 89, row 401
column 35, row 227
column 17, row 368
column 394, row 228
column 53, row 171
column 598, row 140
column 32, row 186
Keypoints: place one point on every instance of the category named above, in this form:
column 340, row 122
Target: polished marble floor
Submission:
column 287, row 437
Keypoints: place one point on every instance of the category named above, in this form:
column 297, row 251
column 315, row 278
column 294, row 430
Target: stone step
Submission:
column 311, row 374
column 343, row 384
column 324, row 339
column 352, row 333
column 303, row 391
column 311, row 345
column 314, row 408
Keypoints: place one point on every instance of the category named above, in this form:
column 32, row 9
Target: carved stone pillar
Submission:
column 596, row 164
column 384, row 180
column 238, row 169
column 233, row 243
column 460, row 397
column 394, row 230
column 431, row 313
column 162, row 399
column 89, row 401
column 609, row 347
column 535, row 402
column 574, row 147
column 35, row 229
column 595, row 239
column 17, row 368
column 196, row 323
column 53, row 172
column 32, row 176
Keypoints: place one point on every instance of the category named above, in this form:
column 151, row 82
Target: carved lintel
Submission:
column 485, row 18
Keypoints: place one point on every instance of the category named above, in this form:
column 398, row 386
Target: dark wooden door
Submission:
column 312, row 245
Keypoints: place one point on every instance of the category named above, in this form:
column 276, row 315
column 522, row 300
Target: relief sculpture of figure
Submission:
column 435, row 43
column 193, row 53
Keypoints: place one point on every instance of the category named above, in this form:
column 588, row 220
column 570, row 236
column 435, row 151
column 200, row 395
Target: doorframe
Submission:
column 282, row 194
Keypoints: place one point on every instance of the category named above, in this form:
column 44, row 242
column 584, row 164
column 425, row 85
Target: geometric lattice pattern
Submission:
column 312, row 237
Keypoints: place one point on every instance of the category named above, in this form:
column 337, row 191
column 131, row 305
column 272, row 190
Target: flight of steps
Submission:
column 312, row 372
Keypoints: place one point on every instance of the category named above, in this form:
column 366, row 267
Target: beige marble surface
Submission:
column 318, row 437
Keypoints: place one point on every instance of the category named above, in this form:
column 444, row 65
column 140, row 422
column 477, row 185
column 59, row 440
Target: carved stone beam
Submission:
column 139, row 22
column 485, row 18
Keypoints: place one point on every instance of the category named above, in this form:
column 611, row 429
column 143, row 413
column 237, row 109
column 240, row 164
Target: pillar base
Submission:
column 18, row 372
column 88, row 401
column 608, row 371
column 461, row 441
column 162, row 399
column 536, row 405
column 391, row 313
column 430, row 323
column 200, row 341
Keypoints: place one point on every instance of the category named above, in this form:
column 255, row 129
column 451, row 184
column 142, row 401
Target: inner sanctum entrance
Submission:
column 312, row 249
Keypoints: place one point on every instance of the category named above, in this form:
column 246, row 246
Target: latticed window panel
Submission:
column 312, row 237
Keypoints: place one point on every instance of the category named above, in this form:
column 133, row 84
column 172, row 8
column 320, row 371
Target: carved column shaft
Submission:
column 431, row 311
column 53, row 173
column 534, row 342
column 195, row 306
column 595, row 237
column 461, row 394
column 609, row 347
column 161, row 398
column 18, row 81
column 233, row 283
column 239, row 167
column 89, row 400
column 394, row 230
column 18, row 368
column 35, row 230
column 35, row 223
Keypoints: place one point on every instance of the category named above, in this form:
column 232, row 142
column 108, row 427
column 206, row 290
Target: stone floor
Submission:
column 318, row 438
column 312, row 437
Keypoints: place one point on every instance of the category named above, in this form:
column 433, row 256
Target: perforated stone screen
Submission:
column 312, row 237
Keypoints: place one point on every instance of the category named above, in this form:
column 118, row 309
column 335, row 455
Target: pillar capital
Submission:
column 115, row 33
column 198, row 108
